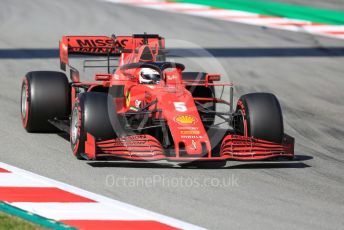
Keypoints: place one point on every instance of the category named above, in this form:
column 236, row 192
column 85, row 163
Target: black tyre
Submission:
column 263, row 117
column 92, row 113
column 45, row 95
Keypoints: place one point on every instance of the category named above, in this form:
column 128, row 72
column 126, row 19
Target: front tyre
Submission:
column 93, row 113
column 259, row 115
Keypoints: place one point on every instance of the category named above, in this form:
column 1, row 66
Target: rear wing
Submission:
column 104, row 45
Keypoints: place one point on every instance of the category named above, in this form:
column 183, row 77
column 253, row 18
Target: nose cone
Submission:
column 185, row 124
column 195, row 147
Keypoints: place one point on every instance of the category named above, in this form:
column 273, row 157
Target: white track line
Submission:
column 14, row 180
column 79, row 211
column 105, row 203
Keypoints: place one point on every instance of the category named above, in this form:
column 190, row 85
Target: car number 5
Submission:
column 180, row 106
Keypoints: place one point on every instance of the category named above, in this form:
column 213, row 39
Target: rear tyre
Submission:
column 45, row 95
column 260, row 116
column 93, row 113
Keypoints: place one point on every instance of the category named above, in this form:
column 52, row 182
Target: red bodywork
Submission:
column 175, row 104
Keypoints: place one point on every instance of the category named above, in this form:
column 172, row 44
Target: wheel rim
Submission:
column 24, row 102
column 240, row 125
column 75, row 125
column 243, row 124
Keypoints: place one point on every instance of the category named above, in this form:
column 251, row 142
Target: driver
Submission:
column 149, row 76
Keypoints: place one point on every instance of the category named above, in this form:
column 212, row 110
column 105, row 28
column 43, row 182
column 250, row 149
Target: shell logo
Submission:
column 185, row 119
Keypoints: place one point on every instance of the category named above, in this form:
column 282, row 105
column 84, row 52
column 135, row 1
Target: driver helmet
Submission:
column 149, row 76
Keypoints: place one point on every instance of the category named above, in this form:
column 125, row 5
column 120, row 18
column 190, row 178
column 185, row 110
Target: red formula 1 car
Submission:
column 148, row 108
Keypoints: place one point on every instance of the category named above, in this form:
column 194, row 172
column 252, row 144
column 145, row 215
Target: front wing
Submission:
column 147, row 148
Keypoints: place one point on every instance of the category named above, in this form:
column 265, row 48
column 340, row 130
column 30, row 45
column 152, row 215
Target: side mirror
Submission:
column 74, row 75
column 213, row 77
column 103, row 77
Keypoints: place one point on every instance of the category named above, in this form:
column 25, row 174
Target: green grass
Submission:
column 8, row 222
column 268, row 7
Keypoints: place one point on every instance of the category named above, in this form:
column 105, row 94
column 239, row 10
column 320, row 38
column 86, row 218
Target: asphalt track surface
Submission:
column 303, row 194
